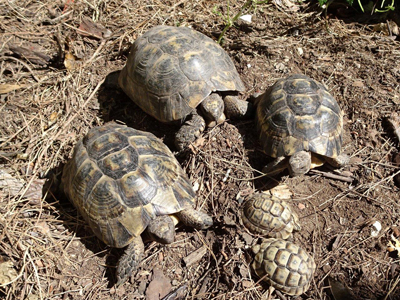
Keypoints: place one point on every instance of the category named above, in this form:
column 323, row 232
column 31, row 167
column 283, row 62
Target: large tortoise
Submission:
column 284, row 265
column 300, row 124
column 125, row 182
column 171, row 71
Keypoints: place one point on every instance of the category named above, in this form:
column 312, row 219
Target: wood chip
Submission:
column 195, row 256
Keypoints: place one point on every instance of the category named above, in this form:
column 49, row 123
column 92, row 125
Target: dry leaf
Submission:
column 31, row 53
column 70, row 62
column 159, row 286
column 281, row 191
column 35, row 190
column 89, row 28
column 7, row 272
column 10, row 185
column 6, row 88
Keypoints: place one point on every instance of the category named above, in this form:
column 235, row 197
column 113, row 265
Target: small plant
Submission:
column 386, row 8
column 249, row 4
column 371, row 7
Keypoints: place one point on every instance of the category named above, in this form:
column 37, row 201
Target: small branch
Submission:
column 333, row 176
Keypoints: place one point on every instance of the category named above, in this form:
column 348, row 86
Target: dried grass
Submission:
column 48, row 108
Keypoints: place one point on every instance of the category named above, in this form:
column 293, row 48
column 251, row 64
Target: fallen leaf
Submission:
column 358, row 83
column 31, row 53
column 159, row 286
column 6, row 88
column 339, row 290
column 43, row 227
column 35, row 190
column 70, row 61
column 247, row 284
column 7, row 272
column 89, row 28
column 10, row 185
column 281, row 191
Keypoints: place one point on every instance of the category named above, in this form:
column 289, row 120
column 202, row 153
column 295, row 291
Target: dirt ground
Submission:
column 54, row 87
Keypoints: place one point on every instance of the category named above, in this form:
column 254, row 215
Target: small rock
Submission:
column 326, row 268
column 247, row 284
column 301, row 206
column 246, row 18
column 376, row 228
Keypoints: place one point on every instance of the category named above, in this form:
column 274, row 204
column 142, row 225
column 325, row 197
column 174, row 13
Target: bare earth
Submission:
column 55, row 86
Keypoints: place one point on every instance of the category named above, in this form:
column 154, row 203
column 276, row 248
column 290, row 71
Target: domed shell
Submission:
column 286, row 266
column 170, row 70
column 269, row 216
column 298, row 113
column 120, row 178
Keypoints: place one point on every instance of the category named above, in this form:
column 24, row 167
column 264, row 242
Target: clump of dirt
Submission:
column 56, row 65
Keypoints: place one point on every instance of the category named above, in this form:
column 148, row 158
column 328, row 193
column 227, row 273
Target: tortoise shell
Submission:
column 284, row 265
column 270, row 216
column 120, row 178
column 298, row 113
column 170, row 70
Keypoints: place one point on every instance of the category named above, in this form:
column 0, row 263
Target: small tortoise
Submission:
column 269, row 216
column 284, row 265
column 125, row 182
column 300, row 124
column 171, row 71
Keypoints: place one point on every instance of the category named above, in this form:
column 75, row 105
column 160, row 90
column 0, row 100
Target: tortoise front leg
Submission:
column 194, row 218
column 189, row 131
column 236, row 108
column 130, row 260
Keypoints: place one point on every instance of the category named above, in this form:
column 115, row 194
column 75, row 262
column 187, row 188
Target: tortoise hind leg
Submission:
column 194, row 218
column 130, row 260
column 339, row 161
column 299, row 163
column 189, row 131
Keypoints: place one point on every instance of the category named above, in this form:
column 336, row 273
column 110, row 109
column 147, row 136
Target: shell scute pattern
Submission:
column 285, row 265
column 120, row 178
column 296, row 114
column 270, row 216
column 170, row 70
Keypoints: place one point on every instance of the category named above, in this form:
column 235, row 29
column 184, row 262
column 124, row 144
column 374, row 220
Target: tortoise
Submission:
column 269, row 215
column 129, row 187
column 176, row 74
column 283, row 265
column 300, row 125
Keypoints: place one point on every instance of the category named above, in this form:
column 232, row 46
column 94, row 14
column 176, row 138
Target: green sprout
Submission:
column 385, row 9
column 230, row 21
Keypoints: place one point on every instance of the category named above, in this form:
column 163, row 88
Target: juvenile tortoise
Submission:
column 125, row 182
column 270, row 216
column 300, row 124
column 171, row 71
column 284, row 265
